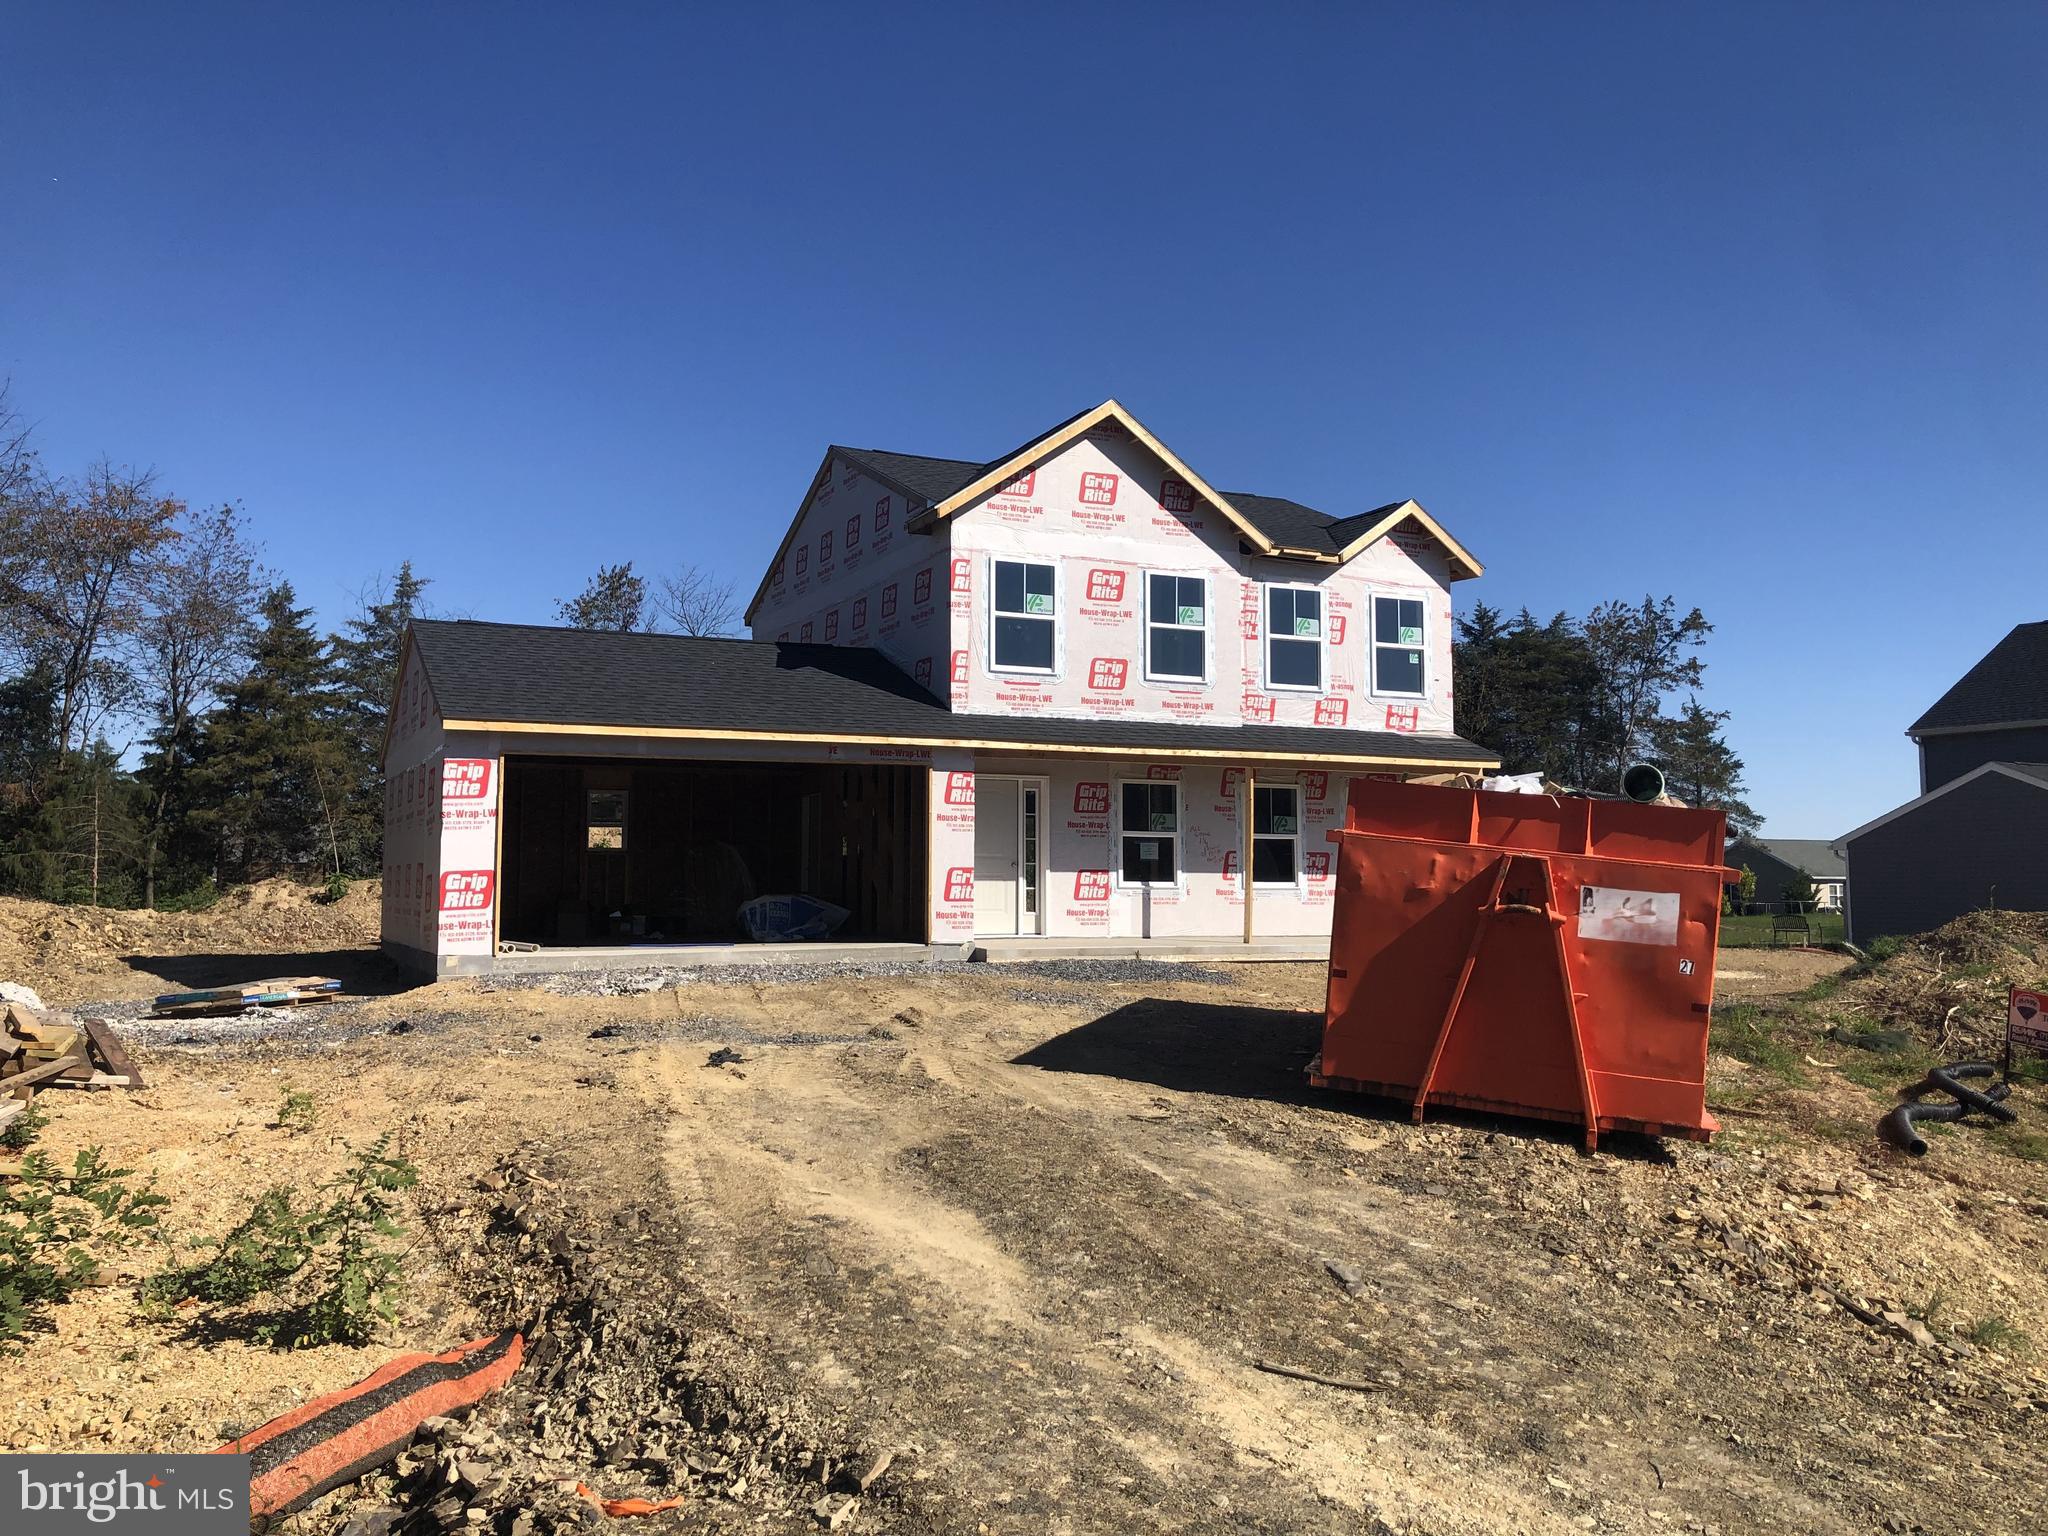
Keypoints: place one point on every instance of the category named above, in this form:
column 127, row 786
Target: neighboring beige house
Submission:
column 1006, row 699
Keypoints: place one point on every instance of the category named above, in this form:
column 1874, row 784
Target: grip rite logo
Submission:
column 1091, row 799
column 959, row 789
column 1105, row 586
column 1021, row 486
column 881, row 514
column 963, row 580
column 853, row 530
column 1098, row 489
column 467, row 890
column 1176, row 496
column 1332, row 711
column 921, row 587
column 1091, row 885
column 959, row 884
column 1107, row 673
column 466, row 778
column 889, row 601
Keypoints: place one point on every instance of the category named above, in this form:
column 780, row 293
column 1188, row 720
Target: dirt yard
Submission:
column 1017, row 1237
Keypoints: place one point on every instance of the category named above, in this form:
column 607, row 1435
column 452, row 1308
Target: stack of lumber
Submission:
column 273, row 993
column 41, row 1048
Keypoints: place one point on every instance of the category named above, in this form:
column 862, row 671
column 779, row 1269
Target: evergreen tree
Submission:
column 1700, row 767
column 613, row 599
column 269, row 777
column 1530, row 692
column 366, row 660
column 29, row 764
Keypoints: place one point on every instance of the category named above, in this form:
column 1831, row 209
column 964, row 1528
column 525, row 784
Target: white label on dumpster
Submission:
column 1628, row 917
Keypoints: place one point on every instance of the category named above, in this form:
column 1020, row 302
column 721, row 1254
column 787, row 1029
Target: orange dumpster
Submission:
column 1545, row 955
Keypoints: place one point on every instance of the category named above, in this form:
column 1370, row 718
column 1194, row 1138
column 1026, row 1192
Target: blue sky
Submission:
column 1739, row 303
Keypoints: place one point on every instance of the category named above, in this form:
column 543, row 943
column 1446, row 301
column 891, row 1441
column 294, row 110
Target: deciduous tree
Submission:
column 614, row 599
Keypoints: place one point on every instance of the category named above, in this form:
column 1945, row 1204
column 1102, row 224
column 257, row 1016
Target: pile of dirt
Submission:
column 72, row 954
column 1948, row 988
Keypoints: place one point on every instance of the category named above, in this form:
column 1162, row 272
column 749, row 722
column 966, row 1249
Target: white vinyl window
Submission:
column 1294, row 638
column 1397, row 646
column 1276, row 835
column 1176, row 629
column 1024, row 619
column 1150, row 831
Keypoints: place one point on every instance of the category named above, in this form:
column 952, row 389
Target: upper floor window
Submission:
column 1397, row 645
column 1294, row 637
column 1176, row 629
column 1025, row 619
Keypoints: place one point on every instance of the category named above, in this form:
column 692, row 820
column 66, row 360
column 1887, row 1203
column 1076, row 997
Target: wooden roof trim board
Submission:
column 1028, row 748
column 1412, row 511
column 1007, row 469
column 789, row 534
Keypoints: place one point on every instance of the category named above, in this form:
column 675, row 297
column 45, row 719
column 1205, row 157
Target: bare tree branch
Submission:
column 695, row 602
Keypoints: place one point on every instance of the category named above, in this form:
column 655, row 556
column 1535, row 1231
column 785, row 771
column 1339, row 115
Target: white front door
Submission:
column 998, row 858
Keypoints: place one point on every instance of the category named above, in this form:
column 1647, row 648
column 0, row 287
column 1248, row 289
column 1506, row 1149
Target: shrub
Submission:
column 19, row 1134
column 51, row 1223
column 328, row 1266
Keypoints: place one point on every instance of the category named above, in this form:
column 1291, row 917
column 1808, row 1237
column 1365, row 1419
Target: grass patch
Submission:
column 2029, row 1146
column 1754, row 932
column 1999, row 1334
column 1752, row 1035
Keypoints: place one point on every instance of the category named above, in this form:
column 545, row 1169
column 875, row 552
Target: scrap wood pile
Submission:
column 45, row 1048
column 277, row 992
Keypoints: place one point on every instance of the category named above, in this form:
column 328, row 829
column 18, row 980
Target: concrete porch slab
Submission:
column 1007, row 951
column 627, row 957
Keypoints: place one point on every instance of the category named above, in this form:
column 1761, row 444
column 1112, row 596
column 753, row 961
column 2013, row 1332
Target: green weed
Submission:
column 53, row 1222
column 1999, row 1334
column 296, row 1111
column 19, row 1134
column 1750, row 1035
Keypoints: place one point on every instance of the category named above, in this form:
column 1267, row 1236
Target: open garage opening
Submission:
column 604, row 852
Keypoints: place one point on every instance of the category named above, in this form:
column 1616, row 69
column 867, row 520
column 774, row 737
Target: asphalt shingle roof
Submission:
column 532, row 674
column 1812, row 855
column 2010, row 683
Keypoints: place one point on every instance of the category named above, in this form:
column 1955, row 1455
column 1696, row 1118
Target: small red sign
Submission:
column 921, row 587
column 824, row 546
column 881, row 514
column 1337, row 622
column 832, row 624
column 1098, row 489
column 962, row 582
column 860, row 614
column 1176, row 496
column 959, row 789
column 1162, row 770
column 960, row 667
column 1316, row 785
column 1107, row 673
column 1258, row 706
column 1105, row 586
column 1406, row 720
column 889, row 601
column 922, row 671
column 1021, row 486
column 1228, row 788
column 1091, row 799
column 1316, row 863
column 467, row 890
column 803, row 633
column 1091, row 885
column 1332, row 711
column 959, row 884
column 466, row 778
column 853, row 530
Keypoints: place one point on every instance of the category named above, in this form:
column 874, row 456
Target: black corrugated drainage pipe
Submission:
column 1896, row 1128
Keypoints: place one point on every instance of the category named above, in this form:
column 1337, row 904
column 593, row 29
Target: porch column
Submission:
column 1244, row 855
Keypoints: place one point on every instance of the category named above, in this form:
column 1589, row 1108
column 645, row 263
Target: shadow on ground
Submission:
column 1263, row 1054
column 1245, row 1053
column 362, row 972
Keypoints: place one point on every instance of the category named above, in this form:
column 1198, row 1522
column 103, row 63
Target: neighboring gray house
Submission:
column 1780, row 861
column 1978, row 834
